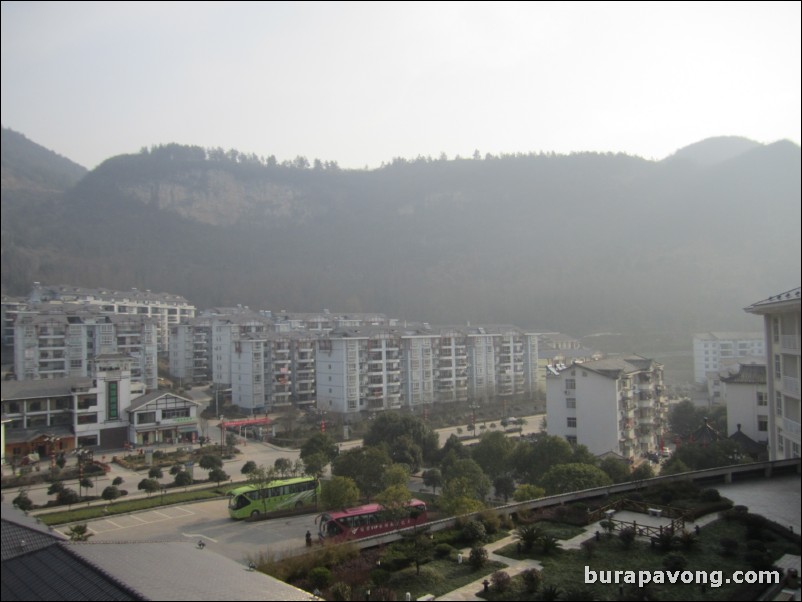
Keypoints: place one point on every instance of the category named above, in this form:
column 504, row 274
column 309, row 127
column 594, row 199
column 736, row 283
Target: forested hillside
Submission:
column 582, row 242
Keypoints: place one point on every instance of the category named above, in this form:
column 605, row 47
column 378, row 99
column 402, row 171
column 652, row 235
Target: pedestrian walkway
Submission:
column 514, row 567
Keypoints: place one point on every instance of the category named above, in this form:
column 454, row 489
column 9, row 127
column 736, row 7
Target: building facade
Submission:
column 710, row 349
column 164, row 308
column 610, row 405
column 744, row 389
column 63, row 340
column 781, row 322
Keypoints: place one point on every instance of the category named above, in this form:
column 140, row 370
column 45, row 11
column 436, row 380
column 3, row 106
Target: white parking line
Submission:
column 199, row 535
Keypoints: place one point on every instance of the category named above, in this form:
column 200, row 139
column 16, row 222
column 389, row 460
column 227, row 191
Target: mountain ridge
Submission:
column 581, row 242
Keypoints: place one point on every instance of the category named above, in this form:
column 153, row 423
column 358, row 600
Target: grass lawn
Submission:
column 121, row 507
column 565, row 569
column 439, row 577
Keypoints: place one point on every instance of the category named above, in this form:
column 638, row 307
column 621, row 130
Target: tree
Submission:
column 531, row 460
column 68, row 497
column 615, row 468
column 492, row 453
column 395, row 501
column 209, row 462
column 110, row 493
column 118, row 481
column 339, row 492
column 396, row 474
column 22, row 501
column 79, row 533
column 365, row 465
column 390, row 426
column 155, row 473
column 419, row 546
column 684, row 418
column 458, row 497
column 504, row 486
column 433, row 478
column 149, row 486
column 472, row 472
column 283, row 466
column 573, row 477
column 55, row 488
column 248, row 467
column 527, row 492
column 642, row 471
column 260, row 478
column 217, row 475
column 86, row 483
column 405, row 451
column 183, row 479
column 322, row 445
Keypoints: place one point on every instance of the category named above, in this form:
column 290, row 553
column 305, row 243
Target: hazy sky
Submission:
column 361, row 83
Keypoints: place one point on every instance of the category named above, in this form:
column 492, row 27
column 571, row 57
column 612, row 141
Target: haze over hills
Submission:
column 583, row 243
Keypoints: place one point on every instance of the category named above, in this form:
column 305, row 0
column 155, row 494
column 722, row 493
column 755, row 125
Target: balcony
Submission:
column 791, row 429
column 790, row 343
column 790, row 386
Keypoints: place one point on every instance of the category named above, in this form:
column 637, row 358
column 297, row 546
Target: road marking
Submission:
column 199, row 535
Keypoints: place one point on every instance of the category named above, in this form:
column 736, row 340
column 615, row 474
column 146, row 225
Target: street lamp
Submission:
column 222, row 434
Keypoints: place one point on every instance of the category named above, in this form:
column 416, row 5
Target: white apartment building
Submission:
column 609, row 405
column 744, row 390
column 10, row 307
column 64, row 340
column 781, row 321
column 711, row 348
column 450, row 368
column 481, row 364
column 190, row 351
column 417, row 369
column 165, row 308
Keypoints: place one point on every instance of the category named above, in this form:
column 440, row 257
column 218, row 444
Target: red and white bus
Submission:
column 367, row 520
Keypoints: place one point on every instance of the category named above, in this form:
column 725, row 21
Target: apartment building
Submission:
column 744, row 389
column 451, row 366
column 165, row 308
column 10, row 307
column 63, row 340
column 781, row 322
column 710, row 349
column 609, row 405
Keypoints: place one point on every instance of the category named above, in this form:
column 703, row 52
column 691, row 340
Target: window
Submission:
column 112, row 402
column 178, row 413
column 571, row 440
column 570, row 384
column 570, row 403
column 571, row 422
column 146, row 417
column 762, row 398
column 88, row 441
column 763, row 423
column 778, row 401
column 777, row 366
column 87, row 418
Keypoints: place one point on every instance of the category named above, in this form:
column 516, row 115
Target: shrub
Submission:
column 110, row 493
column 532, row 580
column 759, row 561
column 627, row 537
column 675, row 562
column 710, row 495
column 117, row 481
column 589, row 547
column 320, row 577
column 155, row 473
column 528, row 535
column 183, row 479
column 501, row 581
column 687, row 540
column 55, row 488
column 68, row 497
column 728, row 546
column 340, row 592
column 443, row 550
column 22, row 501
column 491, row 521
column 474, row 531
column 477, row 558
column 756, row 544
column 549, row 544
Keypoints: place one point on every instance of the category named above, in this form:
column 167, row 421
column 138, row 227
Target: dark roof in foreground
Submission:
column 42, row 565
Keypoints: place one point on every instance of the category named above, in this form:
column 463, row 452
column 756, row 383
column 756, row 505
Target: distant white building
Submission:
column 59, row 341
column 745, row 392
column 781, row 321
column 610, row 405
column 166, row 309
column 711, row 348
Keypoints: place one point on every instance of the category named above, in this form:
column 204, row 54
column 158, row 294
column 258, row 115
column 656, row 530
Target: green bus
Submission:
column 284, row 494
